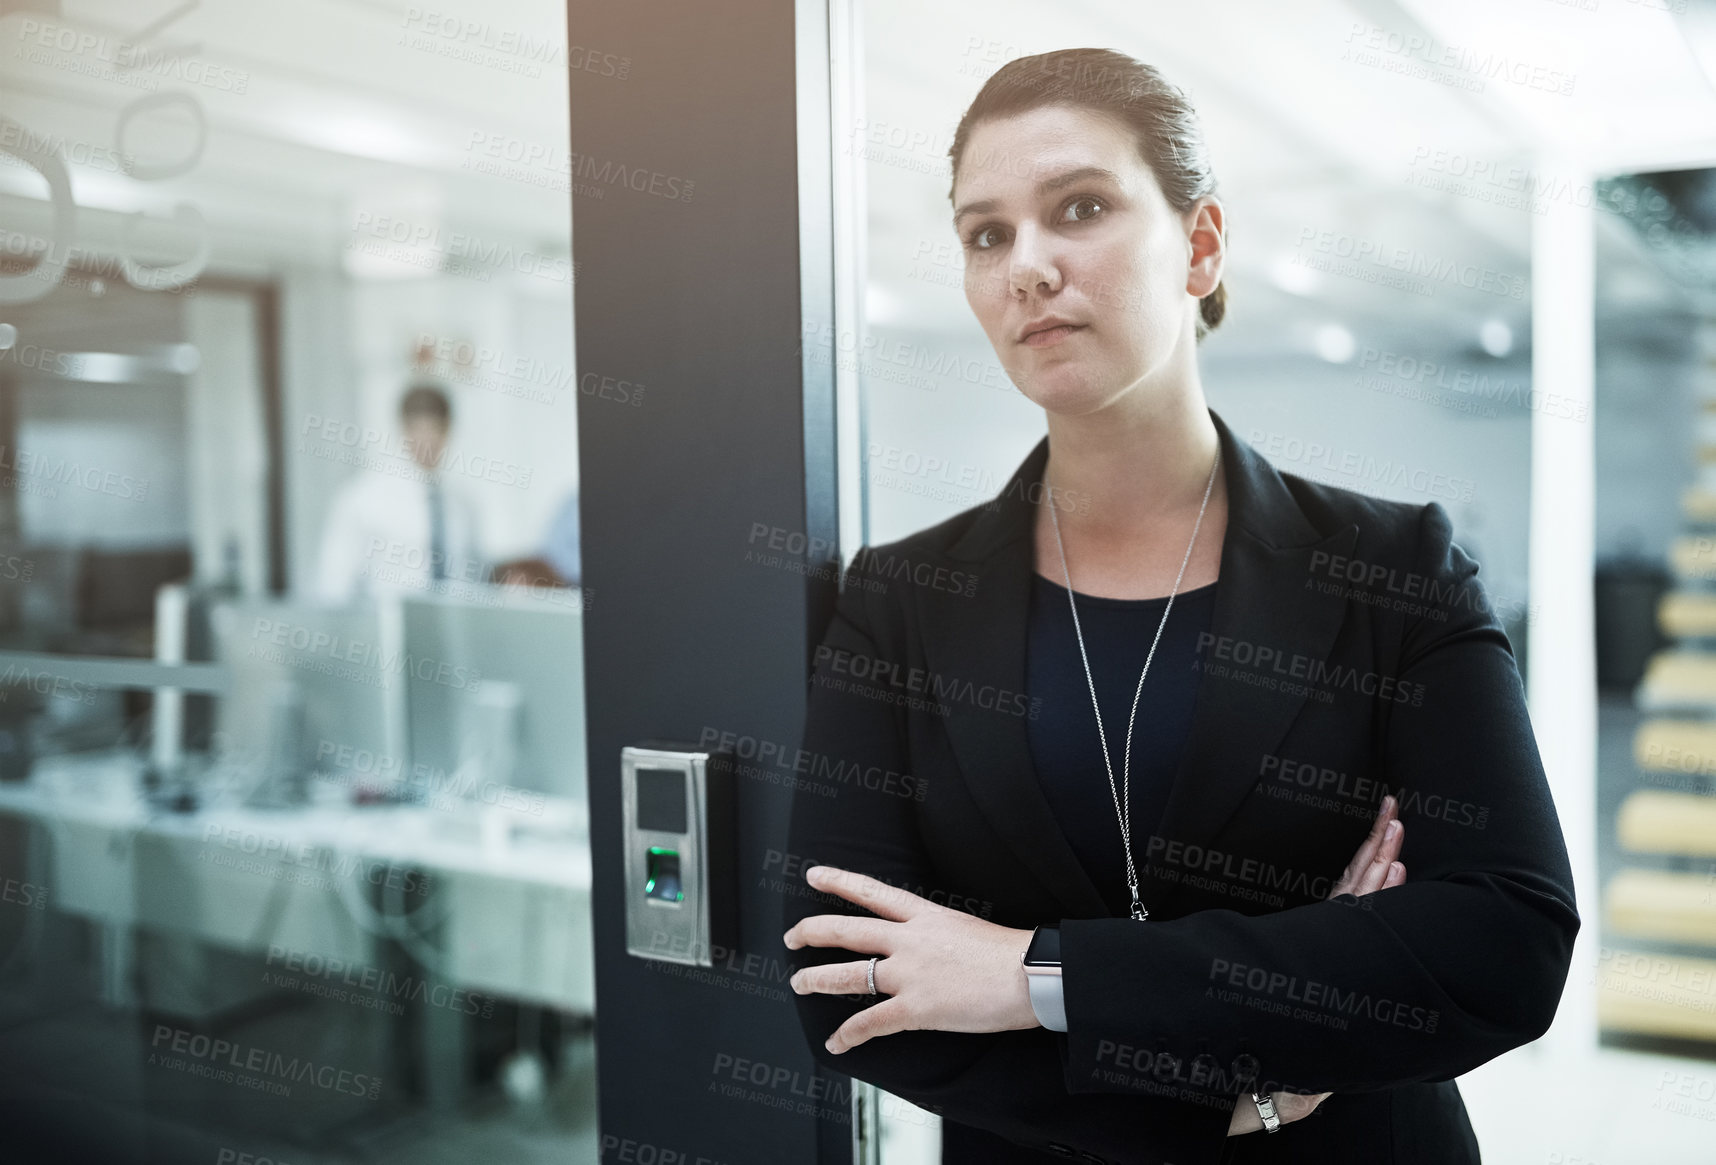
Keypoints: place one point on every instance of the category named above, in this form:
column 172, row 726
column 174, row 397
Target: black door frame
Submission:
column 703, row 253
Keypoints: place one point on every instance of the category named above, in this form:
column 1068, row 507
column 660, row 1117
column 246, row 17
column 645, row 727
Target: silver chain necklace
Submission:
column 1125, row 813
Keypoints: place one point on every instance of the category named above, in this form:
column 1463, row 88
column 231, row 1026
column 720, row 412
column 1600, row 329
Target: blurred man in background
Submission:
column 396, row 526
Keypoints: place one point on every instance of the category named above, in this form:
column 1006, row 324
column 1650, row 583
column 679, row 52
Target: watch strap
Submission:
column 1266, row 1109
column 1048, row 1001
column 1041, row 962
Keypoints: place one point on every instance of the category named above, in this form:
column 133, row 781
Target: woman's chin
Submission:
column 1065, row 395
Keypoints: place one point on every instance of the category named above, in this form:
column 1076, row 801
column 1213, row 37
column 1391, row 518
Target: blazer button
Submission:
column 1205, row 1068
column 1245, row 1066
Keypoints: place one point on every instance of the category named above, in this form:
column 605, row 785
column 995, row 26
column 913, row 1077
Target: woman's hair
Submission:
column 1161, row 120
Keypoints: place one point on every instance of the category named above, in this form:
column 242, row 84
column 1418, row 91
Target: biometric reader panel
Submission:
column 678, row 816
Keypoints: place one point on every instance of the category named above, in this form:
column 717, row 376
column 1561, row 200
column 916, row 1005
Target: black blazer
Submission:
column 1352, row 653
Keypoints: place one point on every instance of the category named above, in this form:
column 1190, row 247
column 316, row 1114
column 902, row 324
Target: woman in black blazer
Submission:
column 1348, row 670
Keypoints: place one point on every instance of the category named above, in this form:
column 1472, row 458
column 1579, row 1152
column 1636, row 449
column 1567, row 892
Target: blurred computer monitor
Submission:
column 495, row 695
column 312, row 691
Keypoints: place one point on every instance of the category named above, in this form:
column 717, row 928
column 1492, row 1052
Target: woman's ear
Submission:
column 1207, row 234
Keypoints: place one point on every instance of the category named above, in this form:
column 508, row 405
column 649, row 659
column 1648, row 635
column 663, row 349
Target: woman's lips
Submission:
column 1049, row 337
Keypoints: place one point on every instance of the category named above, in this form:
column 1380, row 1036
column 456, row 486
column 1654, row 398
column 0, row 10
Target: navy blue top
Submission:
column 1064, row 745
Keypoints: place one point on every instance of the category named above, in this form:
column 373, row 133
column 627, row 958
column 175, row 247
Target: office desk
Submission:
column 516, row 903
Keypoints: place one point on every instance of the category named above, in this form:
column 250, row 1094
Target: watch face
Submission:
column 1045, row 948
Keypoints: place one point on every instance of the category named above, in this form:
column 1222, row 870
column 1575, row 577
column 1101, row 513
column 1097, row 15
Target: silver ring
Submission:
column 870, row 973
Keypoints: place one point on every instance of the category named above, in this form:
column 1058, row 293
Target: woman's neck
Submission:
column 1128, row 485
column 1127, row 468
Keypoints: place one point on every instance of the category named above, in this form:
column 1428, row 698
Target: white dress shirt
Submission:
column 380, row 539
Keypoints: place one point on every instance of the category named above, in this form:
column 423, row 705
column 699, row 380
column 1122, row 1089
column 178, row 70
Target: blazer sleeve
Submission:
column 1419, row 982
column 851, row 809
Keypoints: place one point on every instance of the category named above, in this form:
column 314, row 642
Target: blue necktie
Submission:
column 437, row 534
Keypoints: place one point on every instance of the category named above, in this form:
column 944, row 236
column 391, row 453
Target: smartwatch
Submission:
column 1042, row 964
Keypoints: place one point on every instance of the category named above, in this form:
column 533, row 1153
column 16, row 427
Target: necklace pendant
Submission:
column 1139, row 914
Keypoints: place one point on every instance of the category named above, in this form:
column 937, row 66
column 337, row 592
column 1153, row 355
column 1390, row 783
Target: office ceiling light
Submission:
column 182, row 358
column 1294, row 277
column 389, row 245
column 1495, row 337
column 102, row 367
column 881, row 306
column 126, row 367
column 1335, row 344
column 379, row 133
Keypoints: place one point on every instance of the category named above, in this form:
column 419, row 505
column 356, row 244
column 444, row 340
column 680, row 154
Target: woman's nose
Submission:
column 1033, row 266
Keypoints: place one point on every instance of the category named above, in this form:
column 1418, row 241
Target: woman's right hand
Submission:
column 1375, row 866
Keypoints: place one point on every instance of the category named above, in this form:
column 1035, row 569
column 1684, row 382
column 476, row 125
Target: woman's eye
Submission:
column 986, row 237
column 1080, row 209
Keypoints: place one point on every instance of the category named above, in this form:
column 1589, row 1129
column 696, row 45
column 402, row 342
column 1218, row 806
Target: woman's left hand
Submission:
column 941, row 969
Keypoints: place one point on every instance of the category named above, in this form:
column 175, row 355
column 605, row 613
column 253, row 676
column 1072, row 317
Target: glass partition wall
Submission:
column 1379, row 320
column 293, row 839
column 1385, row 196
column 1655, row 593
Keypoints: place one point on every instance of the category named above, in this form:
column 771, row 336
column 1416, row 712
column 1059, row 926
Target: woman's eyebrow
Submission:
column 1047, row 185
column 1080, row 174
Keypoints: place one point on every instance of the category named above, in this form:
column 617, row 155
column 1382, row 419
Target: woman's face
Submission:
column 1064, row 224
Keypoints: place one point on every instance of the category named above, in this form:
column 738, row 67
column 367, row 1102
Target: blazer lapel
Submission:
column 1265, row 599
column 981, row 641
column 1262, row 598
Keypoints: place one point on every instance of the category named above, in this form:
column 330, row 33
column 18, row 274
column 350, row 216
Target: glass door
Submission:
column 294, row 839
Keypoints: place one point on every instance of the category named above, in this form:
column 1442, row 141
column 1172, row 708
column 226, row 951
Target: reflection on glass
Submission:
column 293, row 840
